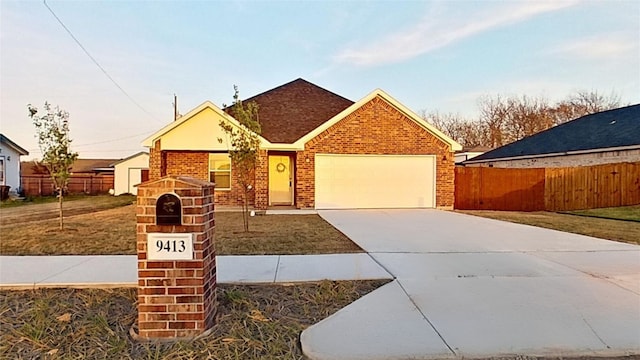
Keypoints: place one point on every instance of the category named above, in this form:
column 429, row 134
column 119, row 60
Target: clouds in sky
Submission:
column 440, row 28
column 601, row 47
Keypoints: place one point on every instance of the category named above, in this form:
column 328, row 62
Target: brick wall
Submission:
column 376, row 128
column 194, row 164
column 262, row 181
column 155, row 161
column 176, row 298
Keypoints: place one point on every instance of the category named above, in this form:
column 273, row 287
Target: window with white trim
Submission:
column 220, row 170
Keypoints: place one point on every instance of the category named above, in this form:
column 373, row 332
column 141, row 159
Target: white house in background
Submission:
column 470, row 153
column 129, row 172
column 10, row 153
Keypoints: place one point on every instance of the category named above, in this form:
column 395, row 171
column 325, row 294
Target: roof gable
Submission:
column 5, row 140
column 390, row 100
column 290, row 111
column 180, row 123
column 141, row 153
column 607, row 129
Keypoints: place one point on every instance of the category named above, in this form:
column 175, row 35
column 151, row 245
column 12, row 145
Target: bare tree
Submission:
column 584, row 103
column 505, row 119
column 468, row 133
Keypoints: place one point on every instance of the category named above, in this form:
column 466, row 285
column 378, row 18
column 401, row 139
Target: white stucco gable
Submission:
column 197, row 130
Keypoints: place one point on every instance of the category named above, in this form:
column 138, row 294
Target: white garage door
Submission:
column 374, row 181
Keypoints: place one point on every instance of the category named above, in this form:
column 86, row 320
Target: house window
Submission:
column 1, row 170
column 220, row 171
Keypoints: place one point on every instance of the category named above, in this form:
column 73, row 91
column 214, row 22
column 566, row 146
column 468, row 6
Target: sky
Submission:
column 429, row 55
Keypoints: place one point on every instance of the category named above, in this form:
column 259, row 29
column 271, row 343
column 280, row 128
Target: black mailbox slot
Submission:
column 168, row 210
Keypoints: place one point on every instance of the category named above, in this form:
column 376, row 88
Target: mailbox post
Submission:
column 176, row 258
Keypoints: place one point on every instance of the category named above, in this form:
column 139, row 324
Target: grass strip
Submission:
column 94, row 323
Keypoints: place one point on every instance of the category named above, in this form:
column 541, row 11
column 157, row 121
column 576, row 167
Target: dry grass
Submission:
column 279, row 234
column 112, row 232
column 47, row 208
column 622, row 231
column 94, row 324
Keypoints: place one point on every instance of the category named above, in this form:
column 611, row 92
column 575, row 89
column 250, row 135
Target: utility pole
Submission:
column 175, row 107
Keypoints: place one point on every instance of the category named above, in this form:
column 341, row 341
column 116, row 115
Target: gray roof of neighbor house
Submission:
column 607, row 129
column 13, row 145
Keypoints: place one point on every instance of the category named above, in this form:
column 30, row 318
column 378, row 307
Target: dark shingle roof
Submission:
column 607, row 129
column 78, row 166
column 290, row 111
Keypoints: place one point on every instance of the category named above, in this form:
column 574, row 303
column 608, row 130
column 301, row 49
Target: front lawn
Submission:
column 620, row 213
column 279, row 234
column 112, row 232
column 623, row 231
column 253, row 322
column 42, row 208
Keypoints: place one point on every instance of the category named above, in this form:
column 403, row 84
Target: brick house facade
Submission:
column 376, row 125
column 376, row 128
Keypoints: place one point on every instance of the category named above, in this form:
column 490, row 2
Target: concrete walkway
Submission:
column 121, row 270
column 469, row 287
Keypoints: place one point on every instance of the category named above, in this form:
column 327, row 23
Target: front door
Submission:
column 280, row 180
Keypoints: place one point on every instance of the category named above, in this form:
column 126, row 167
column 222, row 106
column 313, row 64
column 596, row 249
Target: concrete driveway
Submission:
column 473, row 287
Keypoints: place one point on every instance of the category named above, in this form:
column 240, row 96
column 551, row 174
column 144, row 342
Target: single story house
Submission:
column 80, row 167
column 129, row 172
column 317, row 150
column 10, row 153
column 88, row 176
column 611, row 136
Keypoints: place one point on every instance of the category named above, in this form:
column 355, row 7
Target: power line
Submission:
column 102, row 142
column 112, row 140
column 96, row 62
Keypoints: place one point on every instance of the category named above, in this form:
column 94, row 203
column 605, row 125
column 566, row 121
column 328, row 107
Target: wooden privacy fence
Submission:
column 551, row 189
column 41, row 185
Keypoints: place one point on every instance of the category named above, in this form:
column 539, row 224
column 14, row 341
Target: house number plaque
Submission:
column 163, row 246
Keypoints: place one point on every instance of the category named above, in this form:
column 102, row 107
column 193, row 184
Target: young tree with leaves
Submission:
column 244, row 147
column 52, row 131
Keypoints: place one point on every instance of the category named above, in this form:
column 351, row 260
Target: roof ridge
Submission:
column 291, row 82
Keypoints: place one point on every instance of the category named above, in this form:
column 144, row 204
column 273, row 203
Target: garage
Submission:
column 374, row 181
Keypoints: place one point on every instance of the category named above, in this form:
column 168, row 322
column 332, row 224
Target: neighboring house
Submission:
column 89, row 176
column 318, row 150
column 470, row 153
column 10, row 153
column 129, row 172
column 606, row 137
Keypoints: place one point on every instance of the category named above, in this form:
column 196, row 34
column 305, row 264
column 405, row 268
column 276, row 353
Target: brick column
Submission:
column 176, row 298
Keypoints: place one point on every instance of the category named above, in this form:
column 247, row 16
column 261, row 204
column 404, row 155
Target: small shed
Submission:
column 129, row 172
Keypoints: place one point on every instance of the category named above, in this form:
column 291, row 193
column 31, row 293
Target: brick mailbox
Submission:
column 176, row 258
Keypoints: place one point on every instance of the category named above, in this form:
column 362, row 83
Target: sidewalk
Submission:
column 121, row 270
